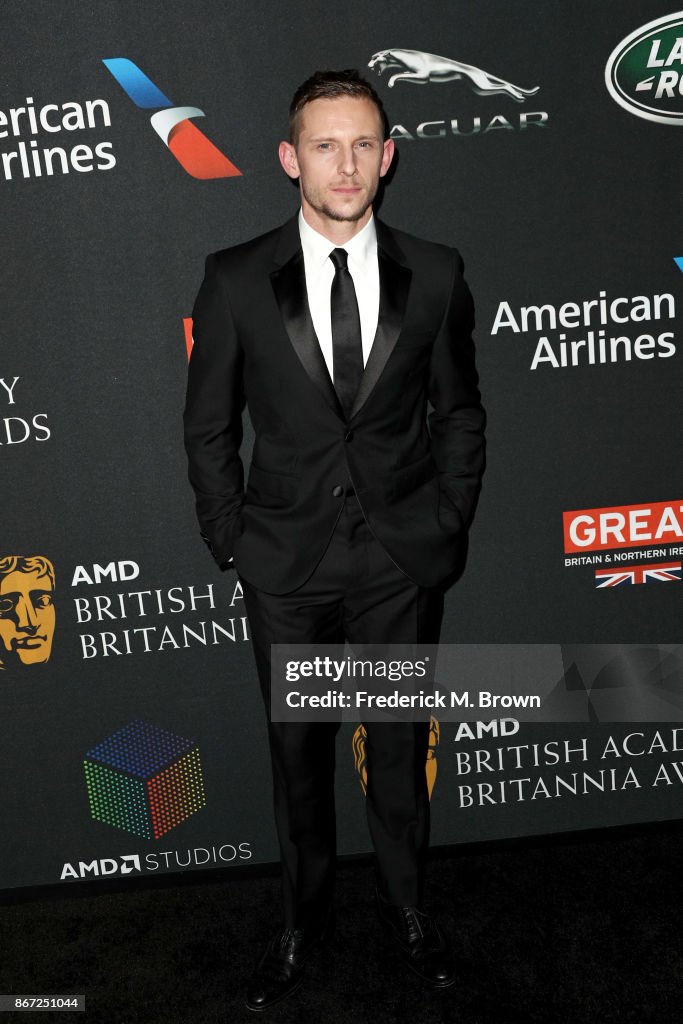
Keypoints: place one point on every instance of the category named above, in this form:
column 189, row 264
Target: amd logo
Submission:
column 113, row 571
column 100, row 868
column 477, row 730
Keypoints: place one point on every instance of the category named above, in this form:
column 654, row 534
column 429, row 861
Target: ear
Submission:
column 290, row 164
column 387, row 157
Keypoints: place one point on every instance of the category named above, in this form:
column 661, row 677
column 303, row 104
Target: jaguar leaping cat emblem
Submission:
column 420, row 68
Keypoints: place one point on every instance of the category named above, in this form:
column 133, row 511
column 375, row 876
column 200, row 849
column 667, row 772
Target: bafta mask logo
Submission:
column 27, row 612
column 360, row 736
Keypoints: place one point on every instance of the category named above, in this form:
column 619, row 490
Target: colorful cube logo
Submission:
column 144, row 780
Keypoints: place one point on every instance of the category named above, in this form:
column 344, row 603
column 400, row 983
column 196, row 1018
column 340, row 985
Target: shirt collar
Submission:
column 361, row 248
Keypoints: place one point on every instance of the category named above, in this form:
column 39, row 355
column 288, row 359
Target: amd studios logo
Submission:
column 644, row 73
column 146, row 780
column 419, row 68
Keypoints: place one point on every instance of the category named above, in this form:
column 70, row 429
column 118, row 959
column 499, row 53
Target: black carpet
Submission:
column 582, row 928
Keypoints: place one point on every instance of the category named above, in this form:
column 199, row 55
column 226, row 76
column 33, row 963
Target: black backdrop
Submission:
column 553, row 199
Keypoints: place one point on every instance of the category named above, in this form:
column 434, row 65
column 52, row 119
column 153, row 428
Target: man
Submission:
column 27, row 613
column 337, row 332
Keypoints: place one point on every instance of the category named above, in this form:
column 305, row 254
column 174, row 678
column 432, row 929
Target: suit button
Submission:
column 348, row 436
column 337, row 491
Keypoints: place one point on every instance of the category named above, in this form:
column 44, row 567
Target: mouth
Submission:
column 30, row 643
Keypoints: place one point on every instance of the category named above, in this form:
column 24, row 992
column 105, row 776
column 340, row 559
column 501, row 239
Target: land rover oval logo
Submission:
column 644, row 74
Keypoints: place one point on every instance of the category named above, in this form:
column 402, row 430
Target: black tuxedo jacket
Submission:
column 416, row 472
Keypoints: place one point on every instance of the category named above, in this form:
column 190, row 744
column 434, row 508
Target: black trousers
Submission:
column 356, row 594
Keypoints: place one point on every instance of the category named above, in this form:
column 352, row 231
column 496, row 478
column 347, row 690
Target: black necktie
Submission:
column 347, row 346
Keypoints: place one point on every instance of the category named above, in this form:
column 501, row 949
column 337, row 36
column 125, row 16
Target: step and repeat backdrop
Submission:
column 541, row 139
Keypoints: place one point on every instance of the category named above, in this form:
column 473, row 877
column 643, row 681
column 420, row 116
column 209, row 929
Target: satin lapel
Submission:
column 394, row 284
column 289, row 285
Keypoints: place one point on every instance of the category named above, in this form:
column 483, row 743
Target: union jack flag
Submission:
column 664, row 572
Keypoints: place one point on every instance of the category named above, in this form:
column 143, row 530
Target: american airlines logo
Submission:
column 195, row 153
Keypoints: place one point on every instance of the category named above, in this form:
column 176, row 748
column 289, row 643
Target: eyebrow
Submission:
column 333, row 138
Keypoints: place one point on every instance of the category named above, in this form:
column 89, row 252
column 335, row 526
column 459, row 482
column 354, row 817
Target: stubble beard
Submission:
column 320, row 206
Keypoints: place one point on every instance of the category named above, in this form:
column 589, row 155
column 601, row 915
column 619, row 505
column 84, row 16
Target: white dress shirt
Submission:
column 362, row 264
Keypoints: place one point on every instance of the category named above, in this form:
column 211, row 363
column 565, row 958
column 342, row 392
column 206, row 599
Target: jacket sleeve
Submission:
column 458, row 419
column 213, row 416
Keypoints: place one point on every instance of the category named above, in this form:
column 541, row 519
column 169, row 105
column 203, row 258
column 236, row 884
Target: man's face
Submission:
column 27, row 618
column 338, row 158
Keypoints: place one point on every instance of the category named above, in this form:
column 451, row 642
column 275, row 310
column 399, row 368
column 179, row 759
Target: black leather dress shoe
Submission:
column 420, row 942
column 280, row 970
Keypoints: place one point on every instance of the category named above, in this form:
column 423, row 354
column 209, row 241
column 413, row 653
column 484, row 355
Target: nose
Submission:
column 347, row 161
column 26, row 615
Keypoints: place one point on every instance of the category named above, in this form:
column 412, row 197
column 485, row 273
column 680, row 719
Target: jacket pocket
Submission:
column 274, row 485
column 410, row 478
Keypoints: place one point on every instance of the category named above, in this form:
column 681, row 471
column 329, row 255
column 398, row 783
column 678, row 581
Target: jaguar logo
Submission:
column 421, row 68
